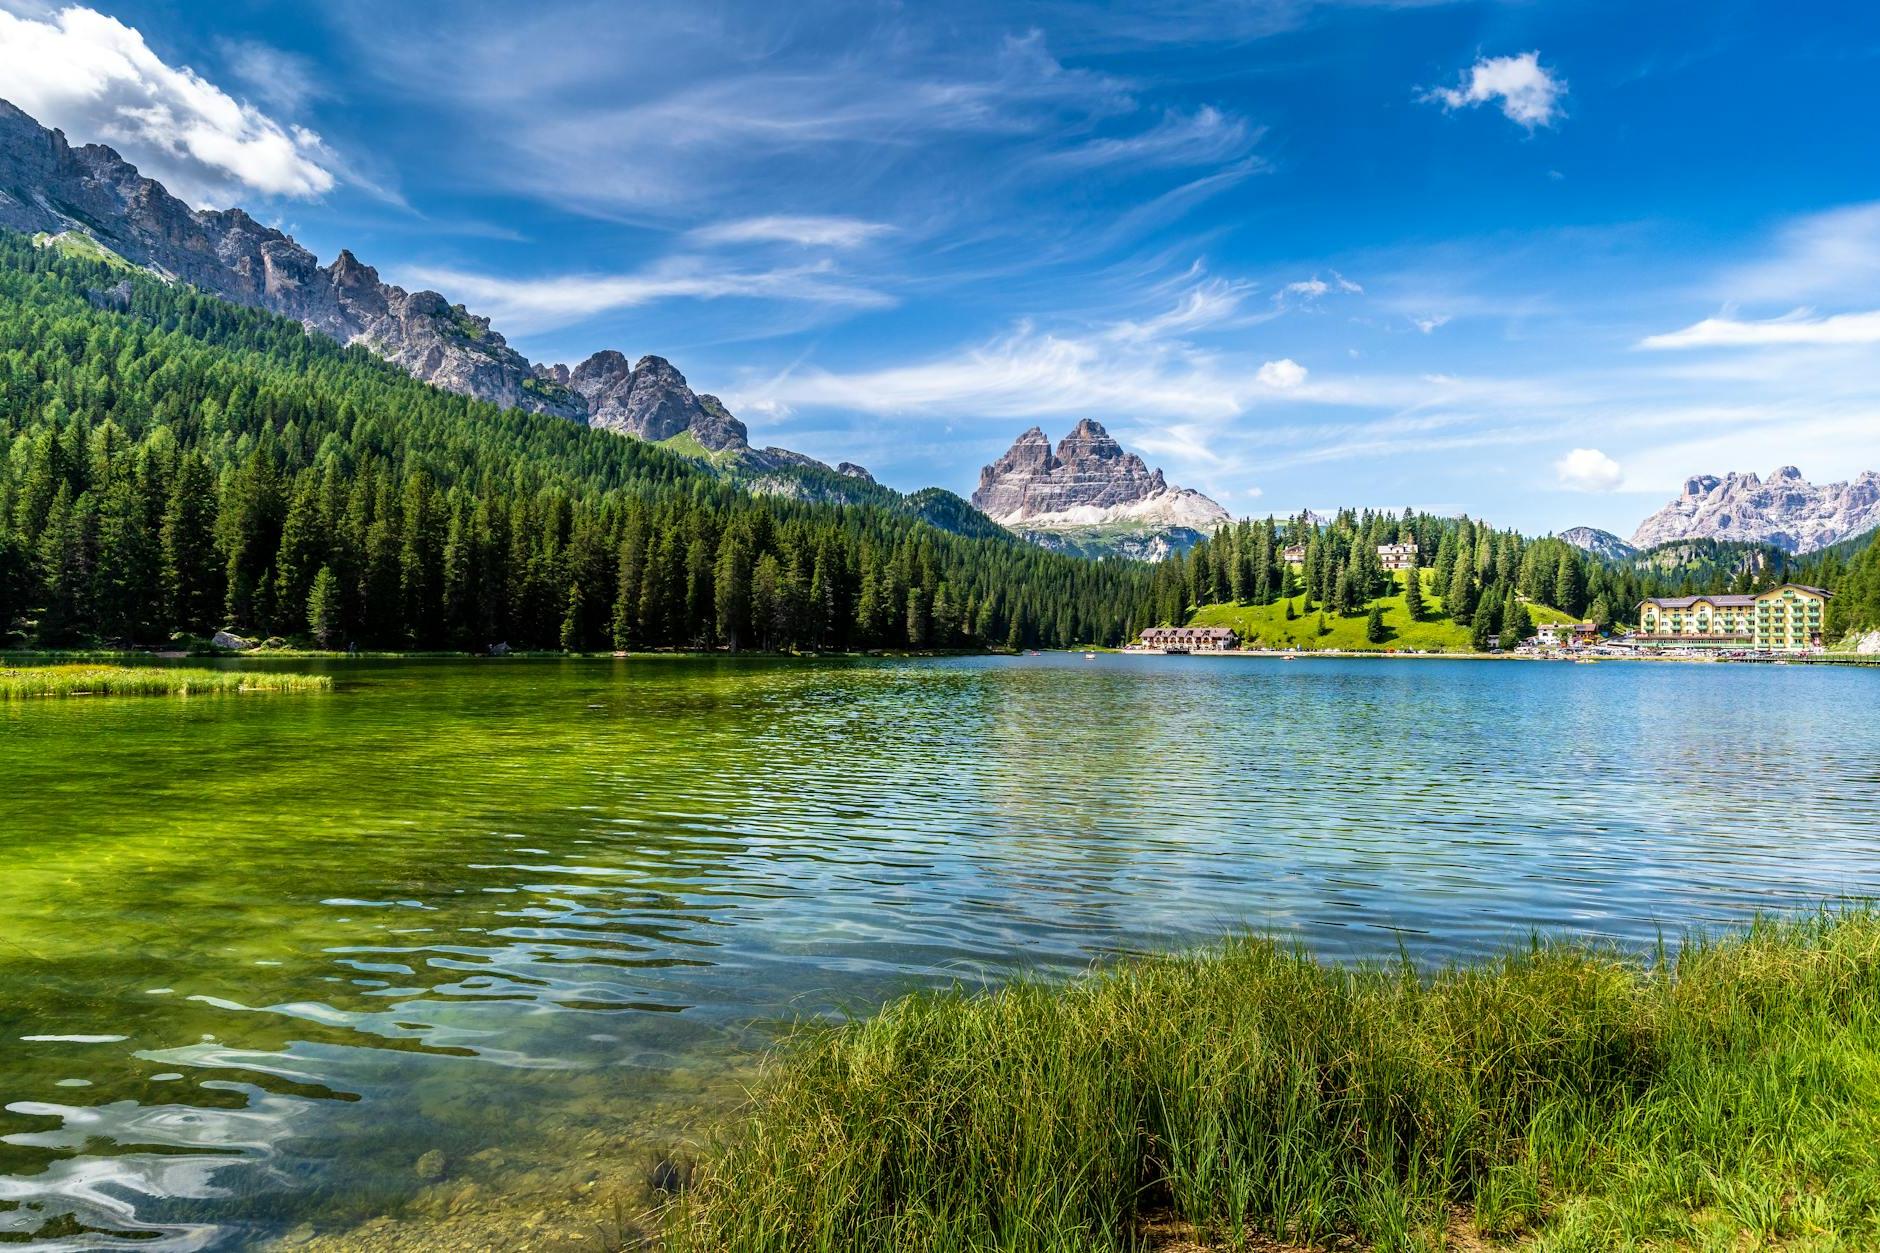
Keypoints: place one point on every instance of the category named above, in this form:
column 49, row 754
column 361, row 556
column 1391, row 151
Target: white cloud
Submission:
column 1588, row 470
column 279, row 79
column 1527, row 91
column 96, row 79
column 1284, row 374
column 531, row 305
column 1209, row 303
column 1306, row 291
column 808, row 231
column 1429, row 322
column 1203, row 137
column 1798, row 328
column 1833, row 255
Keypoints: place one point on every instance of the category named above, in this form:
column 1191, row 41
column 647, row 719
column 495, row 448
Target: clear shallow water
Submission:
column 259, row 954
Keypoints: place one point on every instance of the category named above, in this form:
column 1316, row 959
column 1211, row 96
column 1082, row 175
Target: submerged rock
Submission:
column 432, row 1165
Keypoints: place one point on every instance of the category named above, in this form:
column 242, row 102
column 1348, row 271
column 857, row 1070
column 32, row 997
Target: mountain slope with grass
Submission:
column 171, row 463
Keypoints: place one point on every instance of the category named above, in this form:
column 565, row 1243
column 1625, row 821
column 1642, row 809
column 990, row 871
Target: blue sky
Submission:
column 1535, row 261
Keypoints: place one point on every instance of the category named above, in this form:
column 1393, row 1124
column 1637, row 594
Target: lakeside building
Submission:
column 1566, row 634
column 1785, row 619
column 1398, row 556
column 1191, row 639
column 1293, row 554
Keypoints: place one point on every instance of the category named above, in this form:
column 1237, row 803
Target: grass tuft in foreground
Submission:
column 82, row 680
column 1559, row 1099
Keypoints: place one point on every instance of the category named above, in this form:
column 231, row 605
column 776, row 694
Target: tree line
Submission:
column 172, row 465
column 1485, row 577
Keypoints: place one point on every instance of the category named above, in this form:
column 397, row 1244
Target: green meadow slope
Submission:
column 1267, row 625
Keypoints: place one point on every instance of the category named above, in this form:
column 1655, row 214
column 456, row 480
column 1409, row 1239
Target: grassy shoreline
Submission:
column 1560, row 1098
column 27, row 682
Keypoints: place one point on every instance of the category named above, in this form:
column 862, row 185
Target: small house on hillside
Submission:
column 1397, row 556
column 1293, row 554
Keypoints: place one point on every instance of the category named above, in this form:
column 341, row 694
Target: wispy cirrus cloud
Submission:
column 1206, row 136
column 803, row 229
column 1801, row 327
column 1829, row 256
column 537, row 304
column 97, row 79
column 1527, row 92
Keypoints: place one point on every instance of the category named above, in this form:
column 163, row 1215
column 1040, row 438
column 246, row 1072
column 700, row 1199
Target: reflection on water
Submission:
column 258, row 956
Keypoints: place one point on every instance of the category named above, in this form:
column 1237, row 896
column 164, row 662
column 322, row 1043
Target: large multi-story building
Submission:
column 1398, row 556
column 1785, row 619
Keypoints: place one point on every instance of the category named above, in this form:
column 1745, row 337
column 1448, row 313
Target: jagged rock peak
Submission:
column 1089, row 479
column 1785, row 510
column 52, row 187
column 850, row 470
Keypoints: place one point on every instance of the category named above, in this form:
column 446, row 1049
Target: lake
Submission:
column 462, row 934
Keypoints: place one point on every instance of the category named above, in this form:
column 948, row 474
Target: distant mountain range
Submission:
column 1785, row 510
column 1599, row 543
column 1090, row 496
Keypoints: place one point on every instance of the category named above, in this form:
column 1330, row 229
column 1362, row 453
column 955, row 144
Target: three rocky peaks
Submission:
column 49, row 188
column 1089, row 485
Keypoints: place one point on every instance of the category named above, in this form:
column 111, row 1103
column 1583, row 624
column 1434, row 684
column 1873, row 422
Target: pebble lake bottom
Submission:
column 469, row 938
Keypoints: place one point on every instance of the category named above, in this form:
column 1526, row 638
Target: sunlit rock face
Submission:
column 1090, row 494
column 49, row 187
column 1785, row 510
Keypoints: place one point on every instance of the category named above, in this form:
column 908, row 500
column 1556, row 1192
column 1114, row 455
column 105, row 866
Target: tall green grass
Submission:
column 1560, row 1098
column 88, row 680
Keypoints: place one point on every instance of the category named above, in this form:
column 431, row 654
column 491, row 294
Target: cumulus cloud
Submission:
column 1588, row 470
column 808, row 231
column 1527, row 91
column 1799, row 328
column 96, row 79
column 1284, row 374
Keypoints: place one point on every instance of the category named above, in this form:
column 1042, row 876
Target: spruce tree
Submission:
column 1459, row 598
column 1413, row 593
column 1374, row 629
column 323, row 608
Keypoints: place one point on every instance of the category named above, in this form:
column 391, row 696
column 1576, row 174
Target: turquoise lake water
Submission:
column 258, row 955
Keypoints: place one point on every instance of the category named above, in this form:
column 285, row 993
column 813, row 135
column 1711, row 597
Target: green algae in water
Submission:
column 519, row 912
column 20, row 682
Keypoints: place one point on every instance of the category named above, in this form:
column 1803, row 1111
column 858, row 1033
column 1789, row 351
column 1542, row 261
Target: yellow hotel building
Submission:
column 1785, row 619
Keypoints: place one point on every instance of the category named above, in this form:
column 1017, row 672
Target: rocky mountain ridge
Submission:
column 1089, row 493
column 59, row 193
column 1785, row 510
column 1600, row 543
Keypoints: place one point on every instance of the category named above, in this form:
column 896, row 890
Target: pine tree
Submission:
column 1481, row 628
column 572, row 638
column 1459, row 599
column 191, row 573
column 1413, row 593
column 1374, row 629
column 732, row 591
column 1517, row 625
column 324, row 608
column 1568, row 589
